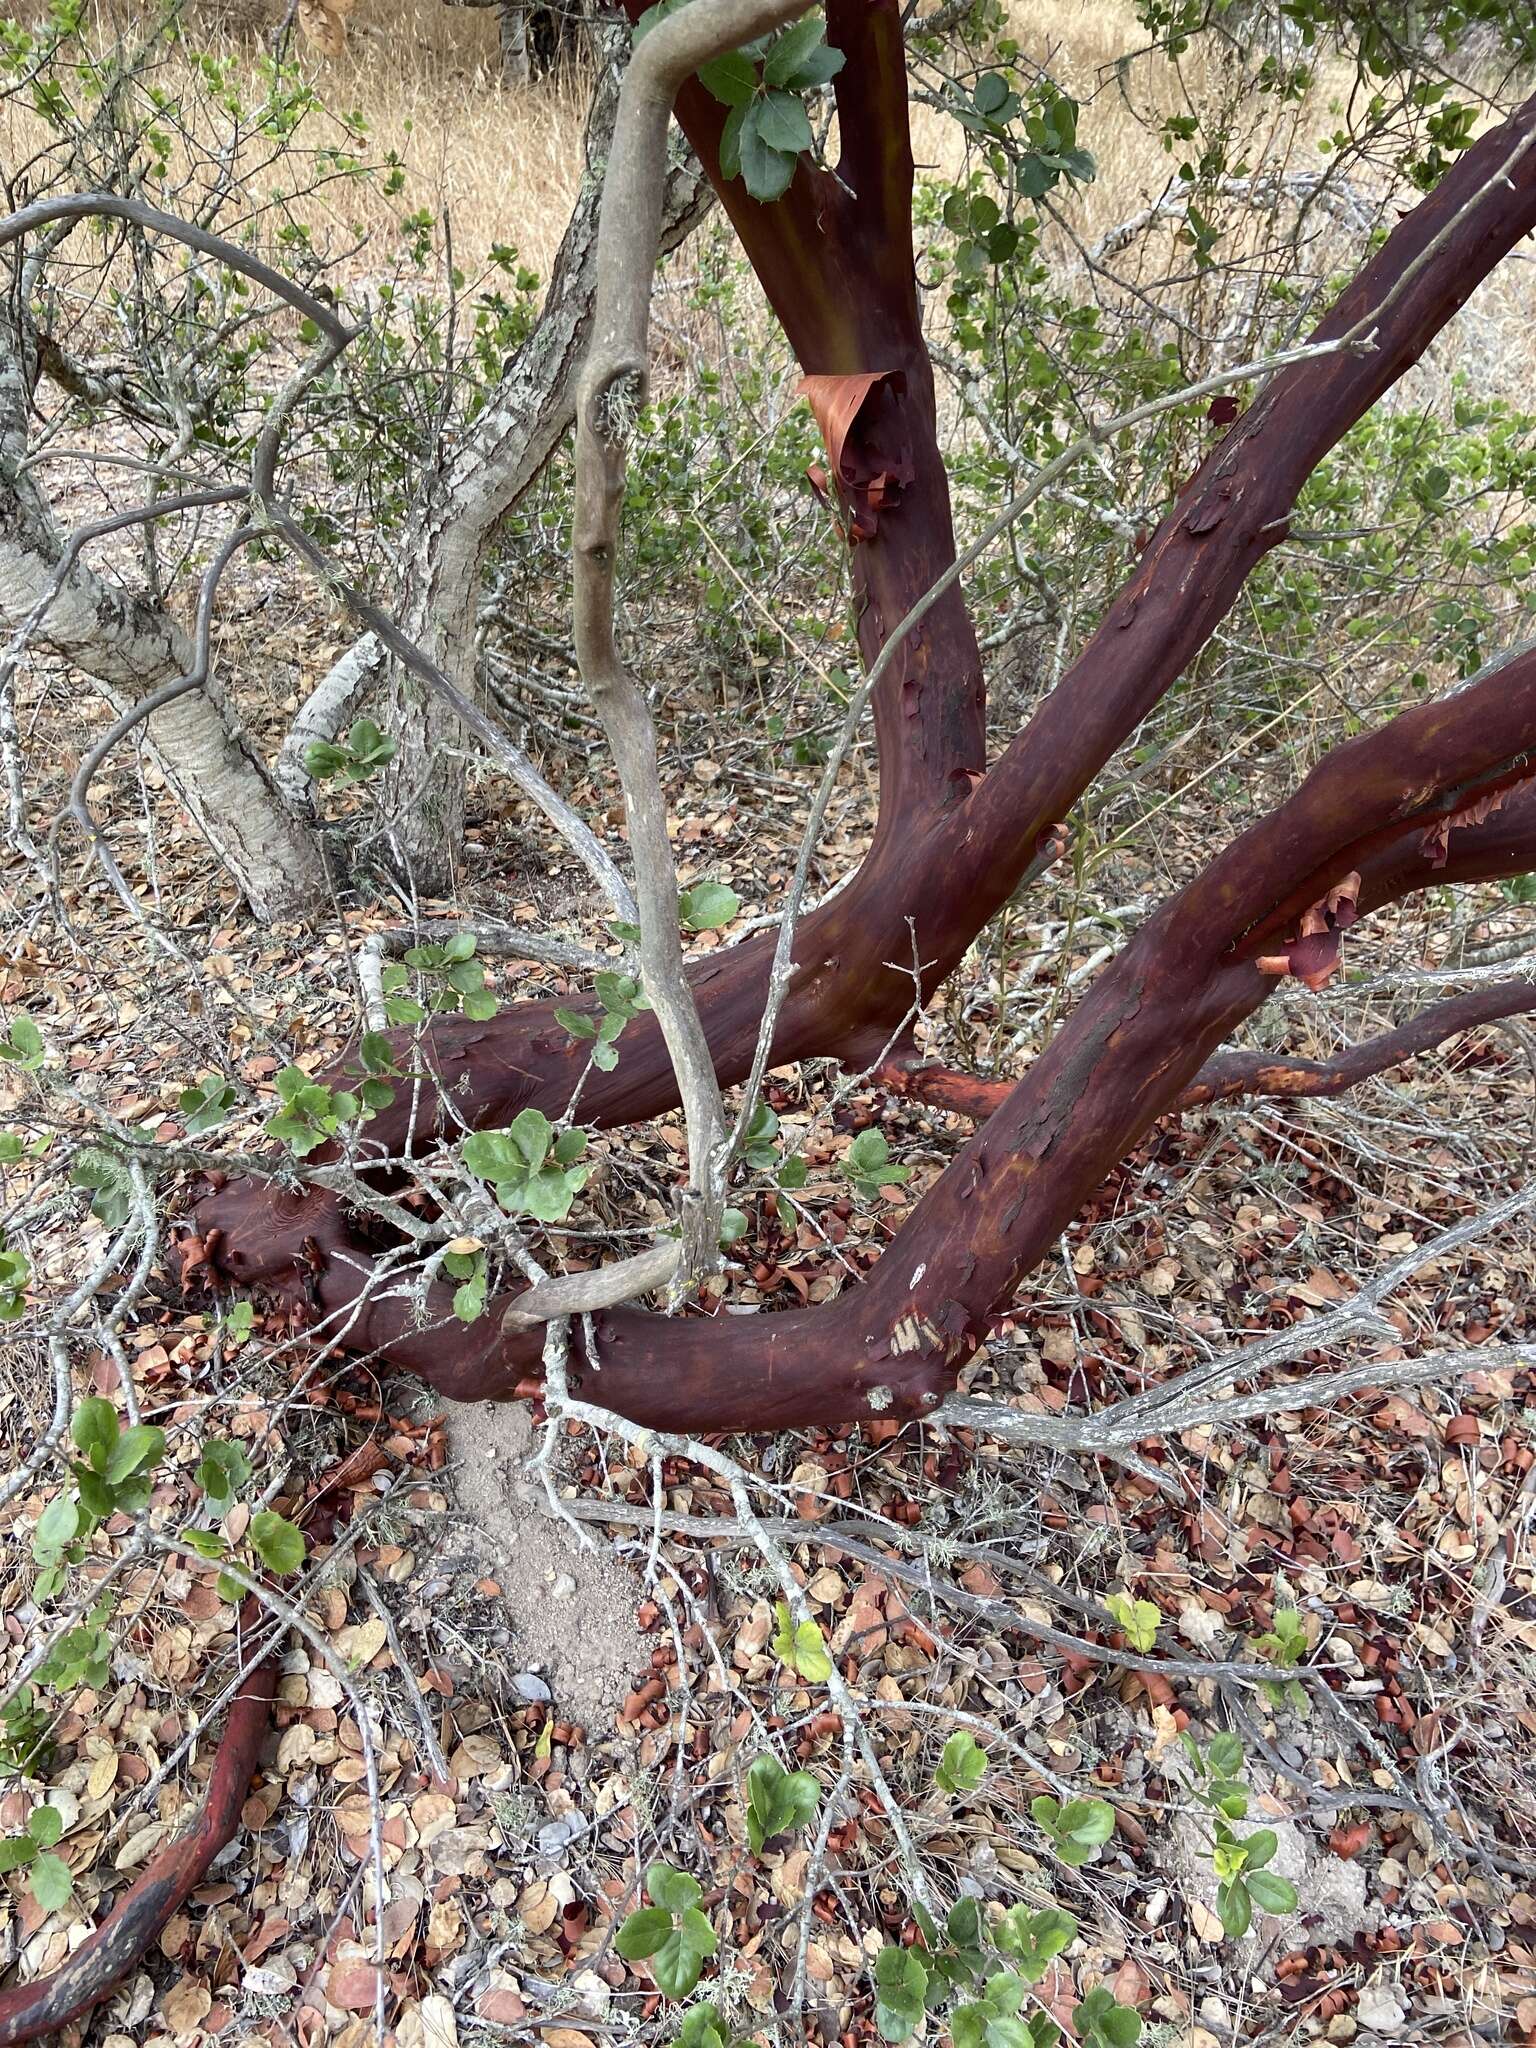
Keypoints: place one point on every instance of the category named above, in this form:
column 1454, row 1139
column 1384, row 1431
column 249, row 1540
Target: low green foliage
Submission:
column 104, row 1175
column 111, row 1475
column 777, row 1800
column 962, row 1766
column 206, row 1103
column 311, row 1113
column 707, row 906
column 25, row 1746
column 452, row 979
column 1243, row 1883
column 23, row 1046
column 1137, row 1618
column 619, row 998
column 867, row 1163
column 15, row 1272
column 1077, row 1830
column 958, row 1970
column 1032, row 1941
column 802, row 1646
column 1285, row 1644
column 534, row 1171
column 363, row 753
column 671, row 1933
column 48, row 1877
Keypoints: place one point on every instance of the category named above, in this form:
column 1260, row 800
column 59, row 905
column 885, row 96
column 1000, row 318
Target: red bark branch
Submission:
column 892, row 1346
column 1233, row 1074
column 119, row 1944
column 116, row 1947
column 946, row 857
column 951, row 869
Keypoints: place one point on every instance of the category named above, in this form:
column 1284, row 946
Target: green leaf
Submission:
column 777, row 1800
column 1088, row 1820
column 1270, row 1893
column 991, row 93
column 1225, row 1755
column 24, row 1047
column 1234, row 1907
column 733, row 1225
column 16, row 1852
column 1102, row 2022
column 695, row 1932
column 207, row 1104
column 96, row 1497
column 206, row 1542
column 1259, row 1848
column 900, row 1985
column 377, row 1054
column 94, row 1428
column 570, row 1145
column 139, row 1448
column 224, row 1470
column 730, row 167
column 50, row 1882
column 793, row 49
column 674, row 1889
column 676, row 1966
column 703, row 2027
column 58, row 1525
column 643, row 1933
column 708, row 905
column 1137, row 1618
column 575, row 1023
column 531, row 1131
column 802, row 1647
column 765, row 171
column 816, row 68
column 1033, row 1940
column 731, row 78
column 278, row 1544
column 783, row 123
column 962, row 1766
column 867, row 1163
column 45, row 1824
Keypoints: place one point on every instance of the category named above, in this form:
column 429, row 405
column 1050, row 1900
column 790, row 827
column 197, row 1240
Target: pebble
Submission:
column 563, row 1588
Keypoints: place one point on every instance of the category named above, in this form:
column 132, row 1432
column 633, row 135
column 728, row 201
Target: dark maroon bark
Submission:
column 1232, row 1075
column 835, row 258
column 31, row 2012
column 950, row 865
column 893, row 1345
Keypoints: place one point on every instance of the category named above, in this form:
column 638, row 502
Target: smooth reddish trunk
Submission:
column 835, row 257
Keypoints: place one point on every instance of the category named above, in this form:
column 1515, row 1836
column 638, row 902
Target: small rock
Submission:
column 564, row 1587
column 1381, row 2007
column 529, row 1686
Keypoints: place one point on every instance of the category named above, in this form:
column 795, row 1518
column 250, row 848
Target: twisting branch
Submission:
column 28, row 2012
column 1233, row 1074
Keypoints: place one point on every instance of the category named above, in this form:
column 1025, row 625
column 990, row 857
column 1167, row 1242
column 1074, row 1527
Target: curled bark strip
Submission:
column 1231, row 1075
column 28, row 2012
column 864, row 427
